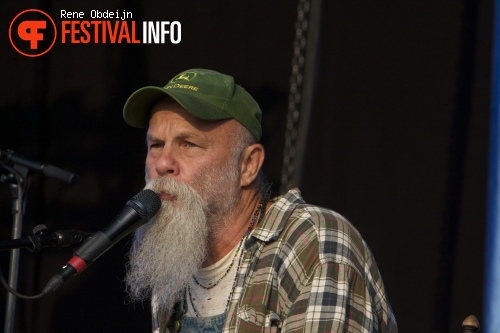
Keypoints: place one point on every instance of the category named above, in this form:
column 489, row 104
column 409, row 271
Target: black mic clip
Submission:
column 58, row 239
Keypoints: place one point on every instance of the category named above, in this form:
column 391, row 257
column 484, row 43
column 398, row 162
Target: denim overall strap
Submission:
column 213, row 324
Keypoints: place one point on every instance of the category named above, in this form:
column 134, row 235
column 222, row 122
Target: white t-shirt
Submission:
column 213, row 301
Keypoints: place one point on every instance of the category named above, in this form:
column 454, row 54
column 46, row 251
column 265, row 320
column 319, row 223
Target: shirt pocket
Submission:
column 250, row 320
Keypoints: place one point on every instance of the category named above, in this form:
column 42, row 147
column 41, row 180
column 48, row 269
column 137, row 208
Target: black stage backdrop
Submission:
column 398, row 140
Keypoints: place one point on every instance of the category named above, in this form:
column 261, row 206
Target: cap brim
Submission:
column 138, row 106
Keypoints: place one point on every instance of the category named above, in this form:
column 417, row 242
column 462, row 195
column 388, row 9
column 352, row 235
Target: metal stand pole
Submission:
column 17, row 211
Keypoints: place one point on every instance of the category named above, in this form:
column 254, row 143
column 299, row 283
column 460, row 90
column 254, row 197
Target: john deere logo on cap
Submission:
column 186, row 76
column 181, row 81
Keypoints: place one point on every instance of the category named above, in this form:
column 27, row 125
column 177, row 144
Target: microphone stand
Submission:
column 16, row 177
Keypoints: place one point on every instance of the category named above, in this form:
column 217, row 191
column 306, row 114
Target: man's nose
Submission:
column 166, row 164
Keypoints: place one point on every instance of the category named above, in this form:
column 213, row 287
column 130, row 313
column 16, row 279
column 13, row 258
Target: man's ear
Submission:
column 252, row 160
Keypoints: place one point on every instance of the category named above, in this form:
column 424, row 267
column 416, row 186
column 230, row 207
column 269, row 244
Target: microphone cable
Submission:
column 15, row 293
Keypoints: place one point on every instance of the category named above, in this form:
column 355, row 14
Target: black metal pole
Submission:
column 17, row 190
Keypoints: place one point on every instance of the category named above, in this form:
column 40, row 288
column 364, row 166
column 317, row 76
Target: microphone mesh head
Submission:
column 146, row 203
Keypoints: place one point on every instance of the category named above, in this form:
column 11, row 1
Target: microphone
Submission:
column 136, row 212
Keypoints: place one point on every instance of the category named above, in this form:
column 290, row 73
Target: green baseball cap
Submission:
column 205, row 94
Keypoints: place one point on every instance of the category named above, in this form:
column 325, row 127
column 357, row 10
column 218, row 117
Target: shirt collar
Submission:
column 277, row 215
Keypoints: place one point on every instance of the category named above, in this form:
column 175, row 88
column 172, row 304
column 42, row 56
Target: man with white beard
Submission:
column 220, row 255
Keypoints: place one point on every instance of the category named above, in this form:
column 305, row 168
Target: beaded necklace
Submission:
column 211, row 285
column 258, row 215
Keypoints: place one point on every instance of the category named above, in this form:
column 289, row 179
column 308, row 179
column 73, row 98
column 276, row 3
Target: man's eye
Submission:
column 155, row 145
column 190, row 144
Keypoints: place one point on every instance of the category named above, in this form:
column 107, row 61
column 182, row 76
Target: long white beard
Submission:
column 169, row 249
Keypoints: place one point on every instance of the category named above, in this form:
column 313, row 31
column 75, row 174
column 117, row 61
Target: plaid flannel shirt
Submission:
column 305, row 269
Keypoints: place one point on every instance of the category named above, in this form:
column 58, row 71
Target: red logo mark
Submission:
column 32, row 33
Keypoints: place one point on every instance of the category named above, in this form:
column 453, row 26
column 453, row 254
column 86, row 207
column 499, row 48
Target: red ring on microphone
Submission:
column 78, row 263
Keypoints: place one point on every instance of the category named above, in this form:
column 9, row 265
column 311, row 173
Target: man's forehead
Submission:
column 177, row 120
